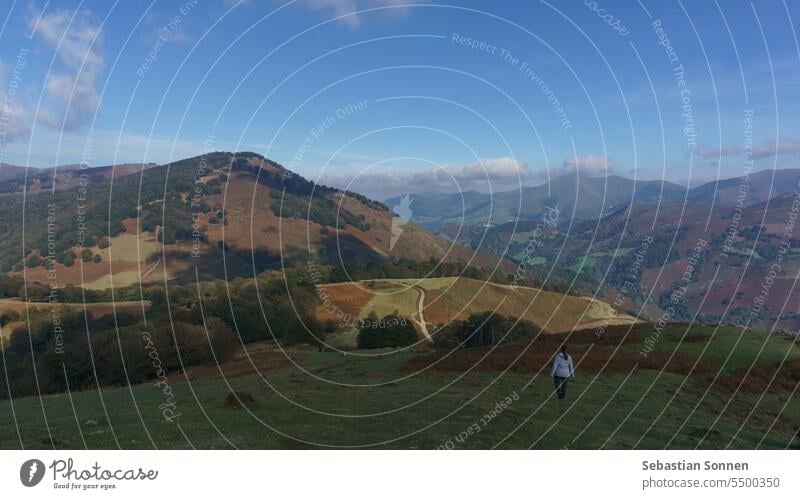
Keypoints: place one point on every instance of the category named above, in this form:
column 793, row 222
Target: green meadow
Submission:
column 382, row 400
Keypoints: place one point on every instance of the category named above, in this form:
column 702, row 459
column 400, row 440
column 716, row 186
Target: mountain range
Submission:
column 728, row 248
column 579, row 197
column 223, row 215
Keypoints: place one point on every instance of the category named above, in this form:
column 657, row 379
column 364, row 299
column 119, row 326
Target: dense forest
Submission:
column 62, row 347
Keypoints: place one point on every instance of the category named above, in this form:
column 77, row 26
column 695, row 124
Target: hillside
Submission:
column 18, row 179
column 575, row 196
column 222, row 214
column 440, row 301
column 761, row 186
column 699, row 388
column 725, row 265
column 598, row 232
column 10, row 172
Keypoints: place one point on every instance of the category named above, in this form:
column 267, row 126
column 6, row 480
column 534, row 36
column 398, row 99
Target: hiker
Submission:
column 562, row 369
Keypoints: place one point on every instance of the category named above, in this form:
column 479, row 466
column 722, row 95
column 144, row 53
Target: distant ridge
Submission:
column 583, row 197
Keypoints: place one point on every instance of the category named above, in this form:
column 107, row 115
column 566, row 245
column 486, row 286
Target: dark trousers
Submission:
column 561, row 386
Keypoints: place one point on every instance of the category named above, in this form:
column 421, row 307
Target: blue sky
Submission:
column 406, row 96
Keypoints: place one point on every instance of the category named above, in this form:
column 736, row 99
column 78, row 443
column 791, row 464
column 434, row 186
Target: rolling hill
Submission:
column 223, row 214
column 744, row 220
column 16, row 179
column 694, row 263
column 436, row 302
column 761, row 186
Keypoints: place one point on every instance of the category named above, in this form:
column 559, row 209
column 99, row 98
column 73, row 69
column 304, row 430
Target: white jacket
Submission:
column 562, row 366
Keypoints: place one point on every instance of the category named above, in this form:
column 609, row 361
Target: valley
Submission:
column 269, row 304
column 746, row 224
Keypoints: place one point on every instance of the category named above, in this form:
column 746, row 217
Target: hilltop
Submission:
column 224, row 214
column 433, row 303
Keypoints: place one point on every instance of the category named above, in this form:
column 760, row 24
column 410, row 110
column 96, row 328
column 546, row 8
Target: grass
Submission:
column 385, row 302
column 590, row 261
column 745, row 252
column 130, row 247
column 346, row 339
column 449, row 298
column 729, row 347
column 397, row 407
column 552, row 311
column 587, row 261
column 429, row 283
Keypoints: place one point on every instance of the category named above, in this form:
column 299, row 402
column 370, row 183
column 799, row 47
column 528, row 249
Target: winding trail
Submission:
column 420, row 314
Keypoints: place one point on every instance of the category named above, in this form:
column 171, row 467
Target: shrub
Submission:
column 239, row 400
column 391, row 331
column 67, row 258
column 9, row 316
column 33, row 261
column 483, row 329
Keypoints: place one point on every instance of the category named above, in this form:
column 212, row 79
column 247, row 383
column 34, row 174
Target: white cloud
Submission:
column 490, row 169
column 341, row 7
column 781, row 147
column 497, row 174
column 765, row 150
column 717, row 152
column 14, row 119
column 586, row 165
column 71, row 88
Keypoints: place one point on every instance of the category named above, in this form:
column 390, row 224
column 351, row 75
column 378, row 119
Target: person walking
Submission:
column 561, row 371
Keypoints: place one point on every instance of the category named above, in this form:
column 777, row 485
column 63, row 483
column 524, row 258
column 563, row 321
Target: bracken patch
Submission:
column 589, row 358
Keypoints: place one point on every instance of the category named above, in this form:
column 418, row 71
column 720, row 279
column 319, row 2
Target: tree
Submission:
column 391, row 331
column 33, row 261
column 484, row 329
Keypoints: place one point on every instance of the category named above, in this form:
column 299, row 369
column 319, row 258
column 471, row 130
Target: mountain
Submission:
column 604, row 223
column 212, row 216
column 18, row 179
column 9, row 172
column 575, row 196
column 681, row 261
column 473, row 218
column 757, row 187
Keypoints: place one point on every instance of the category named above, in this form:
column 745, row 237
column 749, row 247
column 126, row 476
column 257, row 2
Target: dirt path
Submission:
column 420, row 314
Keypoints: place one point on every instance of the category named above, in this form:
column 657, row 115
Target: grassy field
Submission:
column 684, row 395
column 553, row 312
column 385, row 302
column 455, row 298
